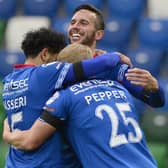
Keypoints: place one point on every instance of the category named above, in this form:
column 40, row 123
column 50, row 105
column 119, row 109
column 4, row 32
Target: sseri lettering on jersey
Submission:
column 14, row 89
column 15, row 103
column 98, row 96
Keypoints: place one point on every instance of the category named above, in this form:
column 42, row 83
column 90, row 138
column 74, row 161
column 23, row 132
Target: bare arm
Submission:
column 152, row 92
column 28, row 139
column 143, row 78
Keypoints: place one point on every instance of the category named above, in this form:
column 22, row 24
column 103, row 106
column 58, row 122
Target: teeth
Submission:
column 75, row 35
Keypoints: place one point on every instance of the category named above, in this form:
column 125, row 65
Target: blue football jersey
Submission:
column 25, row 93
column 102, row 125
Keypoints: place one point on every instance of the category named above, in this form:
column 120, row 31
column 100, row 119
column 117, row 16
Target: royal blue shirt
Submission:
column 101, row 124
column 24, row 94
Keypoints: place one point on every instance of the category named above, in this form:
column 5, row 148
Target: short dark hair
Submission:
column 36, row 40
column 100, row 25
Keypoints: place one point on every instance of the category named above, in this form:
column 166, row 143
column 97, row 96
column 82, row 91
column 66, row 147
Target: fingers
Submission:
column 126, row 60
column 142, row 78
column 139, row 71
column 138, row 74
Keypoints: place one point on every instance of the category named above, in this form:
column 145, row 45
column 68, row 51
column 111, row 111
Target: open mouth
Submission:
column 75, row 36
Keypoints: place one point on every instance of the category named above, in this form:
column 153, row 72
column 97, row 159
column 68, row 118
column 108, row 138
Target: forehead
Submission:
column 84, row 14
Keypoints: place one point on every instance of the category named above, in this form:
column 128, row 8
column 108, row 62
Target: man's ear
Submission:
column 99, row 34
column 44, row 55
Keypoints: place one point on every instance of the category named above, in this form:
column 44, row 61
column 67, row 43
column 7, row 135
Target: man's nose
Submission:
column 76, row 25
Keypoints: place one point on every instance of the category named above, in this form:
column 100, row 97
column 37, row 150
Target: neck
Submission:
column 93, row 47
column 34, row 61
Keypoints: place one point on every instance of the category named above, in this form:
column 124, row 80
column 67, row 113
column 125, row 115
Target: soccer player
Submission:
column 75, row 53
column 100, row 123
column 87, row 27
column 28, row 87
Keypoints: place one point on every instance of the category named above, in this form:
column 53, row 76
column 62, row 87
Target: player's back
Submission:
column 102, row 126
column 24, row 95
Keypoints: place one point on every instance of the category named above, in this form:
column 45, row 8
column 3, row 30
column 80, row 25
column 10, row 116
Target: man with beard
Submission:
column 87, row 27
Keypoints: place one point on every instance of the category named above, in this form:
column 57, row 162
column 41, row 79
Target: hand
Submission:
column 6, row 130
column 143, row 78
column 124, row 59
column 98, row 52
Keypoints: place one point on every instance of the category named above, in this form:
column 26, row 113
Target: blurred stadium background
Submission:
column 138, row 28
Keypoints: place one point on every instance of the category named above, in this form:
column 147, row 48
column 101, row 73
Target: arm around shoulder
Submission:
column 29, row 139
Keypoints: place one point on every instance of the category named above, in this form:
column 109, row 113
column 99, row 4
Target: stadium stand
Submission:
column 141, row 57
column 17, row 26
column 70, row 5
column 8, row 59
column 155, row 126
column 152, row 33
column 7, row 9
column 117, row 33
column 157, row 9
column 60, row 24
column 47, row 8
column 165, row 63
column 126, row 9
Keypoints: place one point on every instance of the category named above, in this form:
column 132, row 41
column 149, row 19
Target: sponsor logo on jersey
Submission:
column 15, row 85
column 83, row 86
